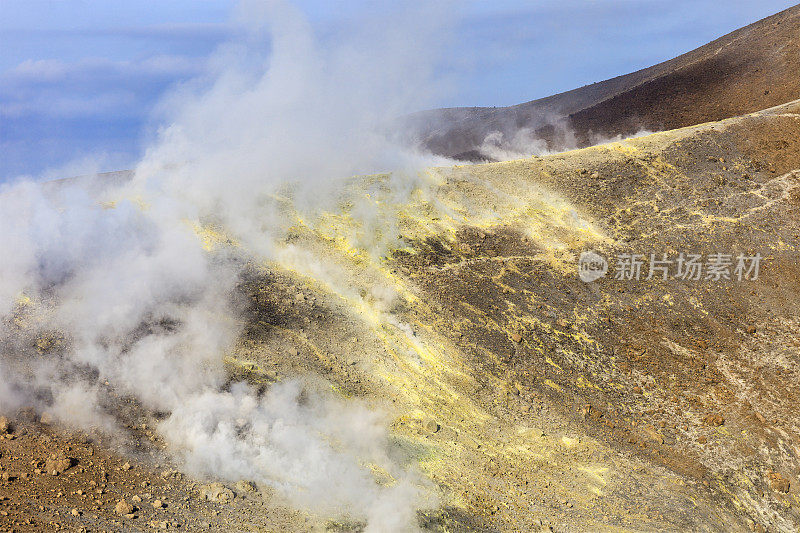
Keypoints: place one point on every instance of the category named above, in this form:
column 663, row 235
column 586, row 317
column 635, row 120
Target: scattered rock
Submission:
column 158, row 504
column 516, row 337
column 714, row 420
column 58, row 463
column 217, row 492
column 751, row 330
column 777, row 482
column 431, row 425
column 171, row 474
column 126, row 467
column 592, row 413
column 5, row 425
column 246, row 486
column 123, row 508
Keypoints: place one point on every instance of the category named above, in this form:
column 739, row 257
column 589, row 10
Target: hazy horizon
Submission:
column 75, row 97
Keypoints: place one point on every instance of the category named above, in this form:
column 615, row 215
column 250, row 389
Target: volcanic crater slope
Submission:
column 530, row 398
column 750, row 69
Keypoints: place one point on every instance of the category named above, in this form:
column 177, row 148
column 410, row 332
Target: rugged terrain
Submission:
column 451, row 300
column 750, row 69
column 531, row 398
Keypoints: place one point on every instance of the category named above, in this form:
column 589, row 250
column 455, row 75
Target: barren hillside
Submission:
column 430, row 344
column 750, row 69
column 531, row 398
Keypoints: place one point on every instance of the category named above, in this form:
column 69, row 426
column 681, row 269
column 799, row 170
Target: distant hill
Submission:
column 753, row 68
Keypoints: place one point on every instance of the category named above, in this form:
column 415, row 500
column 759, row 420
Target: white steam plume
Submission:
column 97, row 298
column 526, row 142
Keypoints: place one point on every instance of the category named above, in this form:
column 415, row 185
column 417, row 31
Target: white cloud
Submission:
column 54, row 70
column 91, row 87
column 99, row 105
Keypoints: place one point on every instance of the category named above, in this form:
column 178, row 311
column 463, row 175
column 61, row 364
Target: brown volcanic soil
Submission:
column 84, row 492
column 753, row 68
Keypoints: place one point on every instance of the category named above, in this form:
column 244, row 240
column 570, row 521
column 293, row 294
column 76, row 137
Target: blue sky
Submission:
column 79, row 79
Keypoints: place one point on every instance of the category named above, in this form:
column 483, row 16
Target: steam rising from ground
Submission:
column 525, row 142
column 107, row 293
